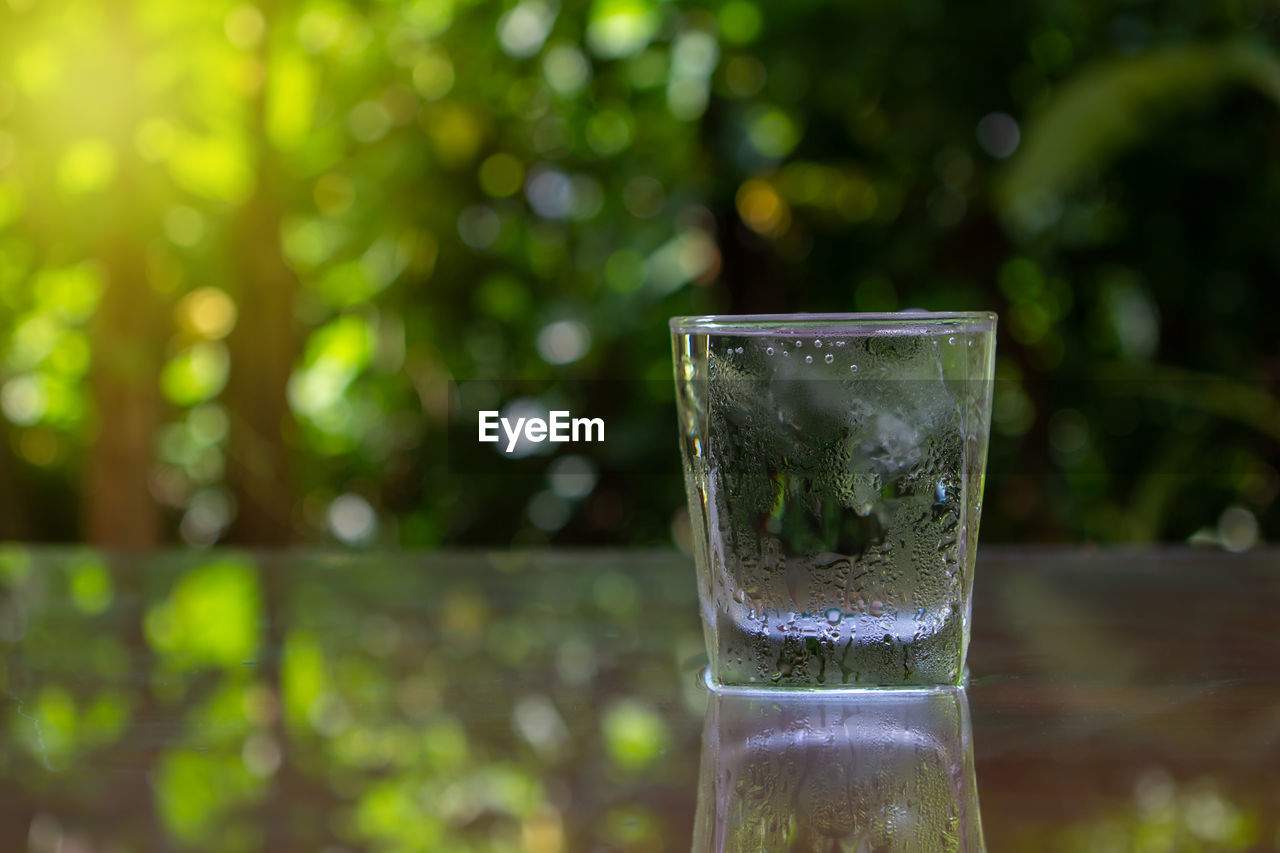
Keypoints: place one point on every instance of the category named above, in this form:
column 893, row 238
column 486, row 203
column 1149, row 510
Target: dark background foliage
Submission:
column 252, row 257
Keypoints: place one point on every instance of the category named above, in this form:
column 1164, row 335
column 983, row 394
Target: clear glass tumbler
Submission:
column 834, row 467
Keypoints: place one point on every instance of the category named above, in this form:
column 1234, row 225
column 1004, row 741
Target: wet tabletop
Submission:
column 550, row 701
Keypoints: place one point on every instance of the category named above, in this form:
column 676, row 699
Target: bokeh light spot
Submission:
column 610, row 131
column 352, row 519
column 523, row 29
column 368, row 121
column 644, row 197
column 548, row 511
column 634, row 734
column 762, row 208
column 23, row 400
column 740, row 21
column 91, row 587
column 563, row 342
column 429, row 17
column 572, row 477
column 455, row 132
column 501, row 175
column 244, row 26
column 479, row 226
column 566, row 69
column 998, row 134
column 334, row 193
column 320, row 27
column 206, row 312
column 87, row 165
column 772, row 133
column 196, row 374
column 550, row 193
column 433, row 76
column 183, row 225
column 621, row 28
column 1238, row 529
column 687, row 97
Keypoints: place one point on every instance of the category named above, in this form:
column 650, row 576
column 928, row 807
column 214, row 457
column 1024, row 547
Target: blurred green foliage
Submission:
column 245, row 249
column 336, row 712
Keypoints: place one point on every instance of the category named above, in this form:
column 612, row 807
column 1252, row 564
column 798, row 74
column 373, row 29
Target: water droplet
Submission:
column 808, row 359
column 786, row 354
column 839, row 343
column 935, row 343
column 799, row 344
column 740, row 595
column 738, row 350
column 952, row 340
column 834, row 615
column 768, row 350
column 818, row 343
column 970, row 343
column 853, row 368
column 830, row 358
column 876, row 608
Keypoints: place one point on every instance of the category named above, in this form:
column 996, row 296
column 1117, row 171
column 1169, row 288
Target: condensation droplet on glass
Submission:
column 808, row 359
column 740, row 595
column 876, row 608
column 952, row 340
column 830, row 358
column 834, row 615
column 786, row 354
column 839, row 343
column 738, row 350
column 935, row 343
column 970, row 343
column 853, row 368
column 799, row 344
column 818, row 343
column 768, row 350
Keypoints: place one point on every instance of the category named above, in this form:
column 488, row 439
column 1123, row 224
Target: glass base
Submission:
column 838, row 690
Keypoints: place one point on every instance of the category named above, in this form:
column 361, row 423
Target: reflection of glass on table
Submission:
column 883, row 771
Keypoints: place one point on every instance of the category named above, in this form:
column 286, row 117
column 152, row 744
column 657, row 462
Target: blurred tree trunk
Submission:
column 14, row 519
column 262, row 353
column 127, row 332
column 127, row 335
column 263, row 347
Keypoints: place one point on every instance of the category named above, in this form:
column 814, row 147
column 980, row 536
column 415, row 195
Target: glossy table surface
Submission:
column 550, row 701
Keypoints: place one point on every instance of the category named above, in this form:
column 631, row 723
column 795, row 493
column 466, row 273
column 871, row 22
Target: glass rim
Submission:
column 827, row 323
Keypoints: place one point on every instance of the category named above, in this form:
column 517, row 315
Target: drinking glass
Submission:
column 885, row 771
column 834, row 466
